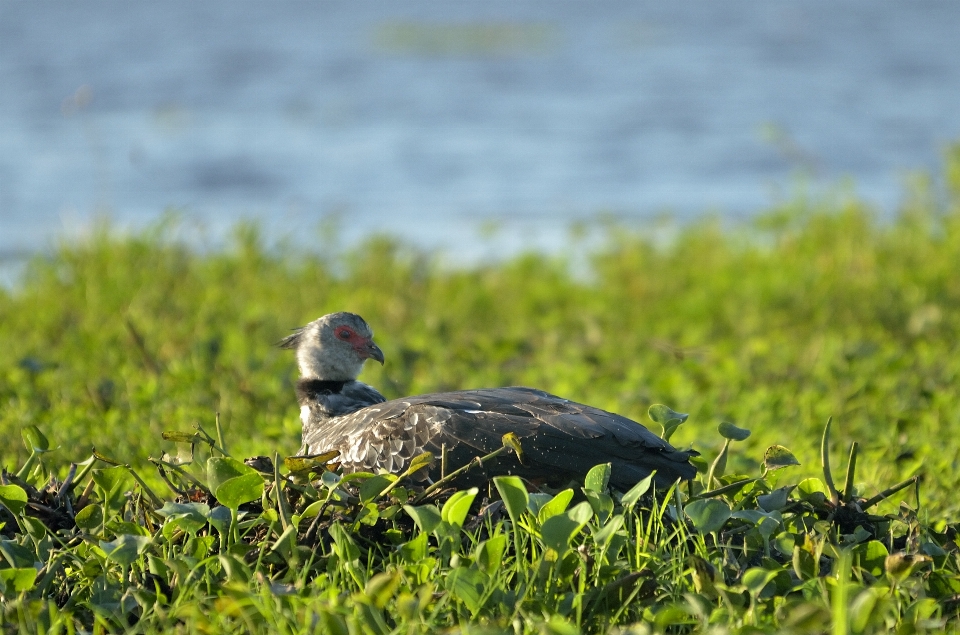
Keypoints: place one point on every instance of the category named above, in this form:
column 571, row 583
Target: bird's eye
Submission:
column 343, row 334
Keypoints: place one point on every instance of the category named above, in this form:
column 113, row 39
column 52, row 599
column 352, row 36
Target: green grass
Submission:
column 818, row 309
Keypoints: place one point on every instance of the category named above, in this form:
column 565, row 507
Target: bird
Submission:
column 560, row 440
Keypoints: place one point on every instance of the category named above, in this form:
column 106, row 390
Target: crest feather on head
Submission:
column 292, row 340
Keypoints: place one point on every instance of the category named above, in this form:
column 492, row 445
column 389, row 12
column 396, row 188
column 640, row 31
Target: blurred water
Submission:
column 432, row 119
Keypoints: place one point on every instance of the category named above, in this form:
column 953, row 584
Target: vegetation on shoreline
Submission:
column 817, row 310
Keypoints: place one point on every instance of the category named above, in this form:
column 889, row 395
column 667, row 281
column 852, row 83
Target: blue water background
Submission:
column 432, row 120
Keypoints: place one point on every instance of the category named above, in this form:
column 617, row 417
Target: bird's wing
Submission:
column 565, row 436
column 558, row 436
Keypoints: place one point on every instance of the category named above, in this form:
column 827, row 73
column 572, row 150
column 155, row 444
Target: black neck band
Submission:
column 313, row 388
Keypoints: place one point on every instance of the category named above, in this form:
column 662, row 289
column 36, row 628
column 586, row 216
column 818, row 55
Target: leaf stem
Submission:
column 825, row 462
column 476, row 462
column 278, row 484
column 722, row 490
column 887, row 493
column 851, row 470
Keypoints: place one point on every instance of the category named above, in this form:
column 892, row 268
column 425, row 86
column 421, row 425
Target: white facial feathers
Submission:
column 326, row 348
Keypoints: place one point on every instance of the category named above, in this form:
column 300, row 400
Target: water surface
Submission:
column 432, row 119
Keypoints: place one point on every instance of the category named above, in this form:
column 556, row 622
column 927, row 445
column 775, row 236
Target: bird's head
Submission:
column 334, row 347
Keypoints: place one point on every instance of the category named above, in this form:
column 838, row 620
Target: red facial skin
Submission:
column 364, row 346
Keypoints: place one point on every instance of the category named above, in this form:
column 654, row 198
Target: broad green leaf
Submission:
column 328, row 622
column 185, row 525
column 755, row 579
column 90, row 517
column 17, row 555
column 668, row 419
column 330, row 479
column 13, row 497
column 729, row 431
column 557, row 625
column 804, row 564
column 198, row 511
column 386, row 513
column 662, row 414
column 466, row 584
column 558, row 530
column 862, row 608
column 110, row 479
column 198, row 547
column 344, row 545
column 371, row 488
column 923, row 609
column 581, row 513
column 514, row 495
column 221, row 469
column 419, row 462
column 700, row 463
column 603, row 535
column 752, row 516
column 126, row 548
column 671, row 615
column 931, row 549
column 14, row 581
column 34, row 526
column 597, row 478
column 813, row 491
column 455, row 509
column 777, row 457
column 239, row 490
column 767, row 522
column 602, row 504
column 311, row 510
column 785, row 542
column 34, row 439
column 708, row 515
column 536, row 500
column 767, row 526
column 775, row 500
column 285, row 542
column 489, row 553
column 381, row 587
column 220, row 518
column 415, row 550
column 637, row 491
column 157, row 566
column 873, row 556
column 427, row 517
column 118, row 527
column 234, row 567
column 670, row 428
column 190, row 517
column 556, row 505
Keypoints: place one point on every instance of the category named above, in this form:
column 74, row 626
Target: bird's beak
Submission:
column 372, row 351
